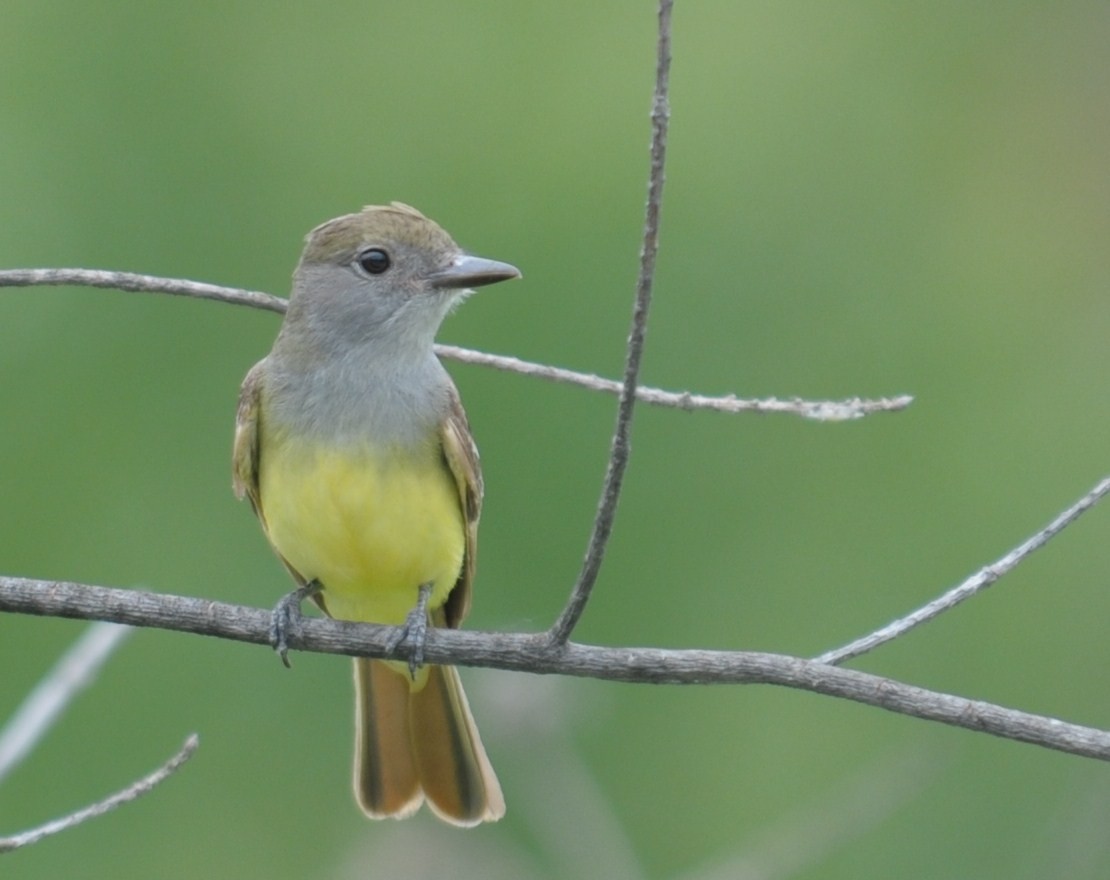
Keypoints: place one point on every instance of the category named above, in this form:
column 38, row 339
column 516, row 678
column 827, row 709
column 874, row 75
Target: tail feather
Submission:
column 456, row 775
column 417, row 740
column 387, row 784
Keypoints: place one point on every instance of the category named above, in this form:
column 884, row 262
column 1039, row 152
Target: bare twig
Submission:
column 535, row 653
column 73, row 672
column 136, row 790
column 974, row 584
column 618, row 454
column 136, row 283
column 818, row 410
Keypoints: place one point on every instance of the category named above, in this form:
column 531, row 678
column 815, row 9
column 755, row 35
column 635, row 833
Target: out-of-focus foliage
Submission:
column 862, row 198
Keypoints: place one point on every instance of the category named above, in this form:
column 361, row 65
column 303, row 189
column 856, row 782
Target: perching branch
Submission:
column 619, row 450
column 134, row 791
column 536, row 654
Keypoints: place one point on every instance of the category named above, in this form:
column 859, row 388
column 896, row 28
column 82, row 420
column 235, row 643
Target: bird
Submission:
column 355, row 453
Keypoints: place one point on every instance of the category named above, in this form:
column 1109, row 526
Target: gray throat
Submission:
column 371, row 393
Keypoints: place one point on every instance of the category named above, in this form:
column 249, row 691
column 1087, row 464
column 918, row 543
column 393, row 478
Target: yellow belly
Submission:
column 370, row 525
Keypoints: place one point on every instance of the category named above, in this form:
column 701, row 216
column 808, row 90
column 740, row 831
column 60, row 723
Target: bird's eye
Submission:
column 374, row 261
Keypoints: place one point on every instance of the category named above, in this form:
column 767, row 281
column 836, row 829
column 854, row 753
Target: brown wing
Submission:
column 461, row 456
column 244, row 456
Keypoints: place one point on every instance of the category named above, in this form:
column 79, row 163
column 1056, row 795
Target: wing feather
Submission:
column 244, row 456
column 461, row 455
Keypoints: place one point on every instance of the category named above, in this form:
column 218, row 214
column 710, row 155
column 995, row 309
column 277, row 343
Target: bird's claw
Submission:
column 413, row 632
column 285, row 619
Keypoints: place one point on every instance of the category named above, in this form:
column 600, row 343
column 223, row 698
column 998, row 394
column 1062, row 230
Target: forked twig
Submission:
column 618, row 455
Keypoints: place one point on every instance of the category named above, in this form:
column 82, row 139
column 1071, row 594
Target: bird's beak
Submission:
column 468, row 271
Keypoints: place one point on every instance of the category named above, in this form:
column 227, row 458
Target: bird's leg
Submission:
column 414, row 631
column 285, row 619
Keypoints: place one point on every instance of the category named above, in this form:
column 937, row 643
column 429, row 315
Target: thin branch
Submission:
column 974, row 584
column 817, row 410
column 136, row 790
column 74, row 671
column 618, row 454
column 136, row 283
column 535, row 654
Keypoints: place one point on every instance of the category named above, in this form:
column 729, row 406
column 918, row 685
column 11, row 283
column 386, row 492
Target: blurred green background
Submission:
column 862, row 198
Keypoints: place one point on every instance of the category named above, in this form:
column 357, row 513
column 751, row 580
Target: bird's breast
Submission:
column 370, row 523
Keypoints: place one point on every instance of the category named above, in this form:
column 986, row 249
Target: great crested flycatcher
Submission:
column 354, row 450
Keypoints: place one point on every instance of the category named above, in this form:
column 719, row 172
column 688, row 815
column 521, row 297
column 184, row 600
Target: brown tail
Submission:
column 416, row 744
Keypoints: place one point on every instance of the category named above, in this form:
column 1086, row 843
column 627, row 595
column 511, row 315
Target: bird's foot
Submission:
column 285, row 619
column 413, row 633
